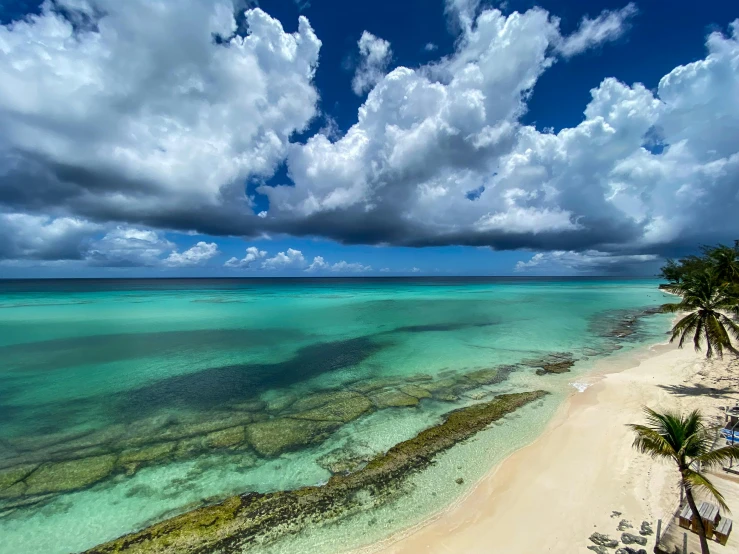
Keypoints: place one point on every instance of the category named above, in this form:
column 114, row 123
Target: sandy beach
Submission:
column 551, row 495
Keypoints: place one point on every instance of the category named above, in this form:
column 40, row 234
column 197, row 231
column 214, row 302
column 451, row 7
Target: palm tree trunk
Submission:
column 697, row 519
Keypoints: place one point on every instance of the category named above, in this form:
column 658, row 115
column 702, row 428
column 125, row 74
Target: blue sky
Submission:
column 384, row 138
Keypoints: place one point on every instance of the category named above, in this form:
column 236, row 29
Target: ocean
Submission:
column 124, row 402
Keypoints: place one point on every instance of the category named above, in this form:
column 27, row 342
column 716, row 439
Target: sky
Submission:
column 236, row 138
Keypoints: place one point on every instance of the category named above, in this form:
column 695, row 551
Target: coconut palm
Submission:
column 708, row 300
column 686, row 440
column 725, row 261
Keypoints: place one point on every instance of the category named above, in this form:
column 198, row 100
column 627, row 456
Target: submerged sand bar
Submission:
column 230, row 526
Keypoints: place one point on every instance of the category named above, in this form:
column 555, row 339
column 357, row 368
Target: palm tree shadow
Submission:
column 699, row 390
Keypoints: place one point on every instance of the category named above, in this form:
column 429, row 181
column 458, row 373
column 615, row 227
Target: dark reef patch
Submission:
column 101, row 349
column 621, row 325
column 555, row 362
column 211, row 388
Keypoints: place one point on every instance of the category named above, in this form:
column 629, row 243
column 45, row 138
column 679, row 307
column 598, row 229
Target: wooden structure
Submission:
column 708, row 514
column 717, row 528
column 723, row 529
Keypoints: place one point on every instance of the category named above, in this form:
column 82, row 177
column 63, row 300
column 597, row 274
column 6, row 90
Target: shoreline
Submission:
column 583, row 453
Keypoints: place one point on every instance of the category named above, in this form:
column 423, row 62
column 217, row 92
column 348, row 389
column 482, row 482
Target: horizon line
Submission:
column 295, row 277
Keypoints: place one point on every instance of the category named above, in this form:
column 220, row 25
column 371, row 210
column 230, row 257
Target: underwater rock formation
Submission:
column 69, row 475
column 229, row 526
column 556, row 362
column 393, row 399
column 347, row 459
column 40, row 468
column 284, row 434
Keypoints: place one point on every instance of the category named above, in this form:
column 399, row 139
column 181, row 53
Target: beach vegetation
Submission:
column 685, row 440
column 708, row 287
column 721, row 259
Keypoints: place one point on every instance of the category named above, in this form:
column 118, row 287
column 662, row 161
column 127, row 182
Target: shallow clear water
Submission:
column 123, row 359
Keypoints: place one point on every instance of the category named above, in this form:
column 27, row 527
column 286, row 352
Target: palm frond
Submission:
column 710, row 342
column 695, row 437
column 684, row 327
column 719, row 456
column 650, row 442
column 673, row 308
column 697, row 480
column 728, row 301
column 716, row 333
column 697, row 336
column 731, row 326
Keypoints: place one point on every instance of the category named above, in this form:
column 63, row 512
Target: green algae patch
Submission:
column 13, row 491
column 11, row 476
column 150, row 453
column 490, row 376
column 415, row 390
column 318, row 399
column 272, row 438
column 70, row 475
column 225, row 438
column 393, row 399
column 346, row 408
column 234, row 524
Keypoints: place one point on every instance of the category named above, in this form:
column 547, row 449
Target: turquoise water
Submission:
column 94, row 370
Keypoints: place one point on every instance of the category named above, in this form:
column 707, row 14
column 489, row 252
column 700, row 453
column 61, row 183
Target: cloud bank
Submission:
column 109, row 125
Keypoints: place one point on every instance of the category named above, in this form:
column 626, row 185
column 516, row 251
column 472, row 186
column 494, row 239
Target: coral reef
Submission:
column 229, row 526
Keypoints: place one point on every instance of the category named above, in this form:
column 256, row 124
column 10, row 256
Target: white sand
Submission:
column 551, row 495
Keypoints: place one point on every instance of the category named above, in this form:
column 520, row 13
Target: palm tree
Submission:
column 687, row 441
column 725, row 260
column 708, row 300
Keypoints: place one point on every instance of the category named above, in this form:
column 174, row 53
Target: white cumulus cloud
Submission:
column 129, row 247
column 608, row 26
column 438, row 154
column 125, row 246
column 375, row 55
column 120, row 119
column 198, row 254
column 253, row 254
column 320, row 264
column 350, row 267
column 292, row 259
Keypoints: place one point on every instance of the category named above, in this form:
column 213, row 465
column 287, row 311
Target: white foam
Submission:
column 581, row 387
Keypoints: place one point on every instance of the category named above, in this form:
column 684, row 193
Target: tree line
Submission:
column 708, row 285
